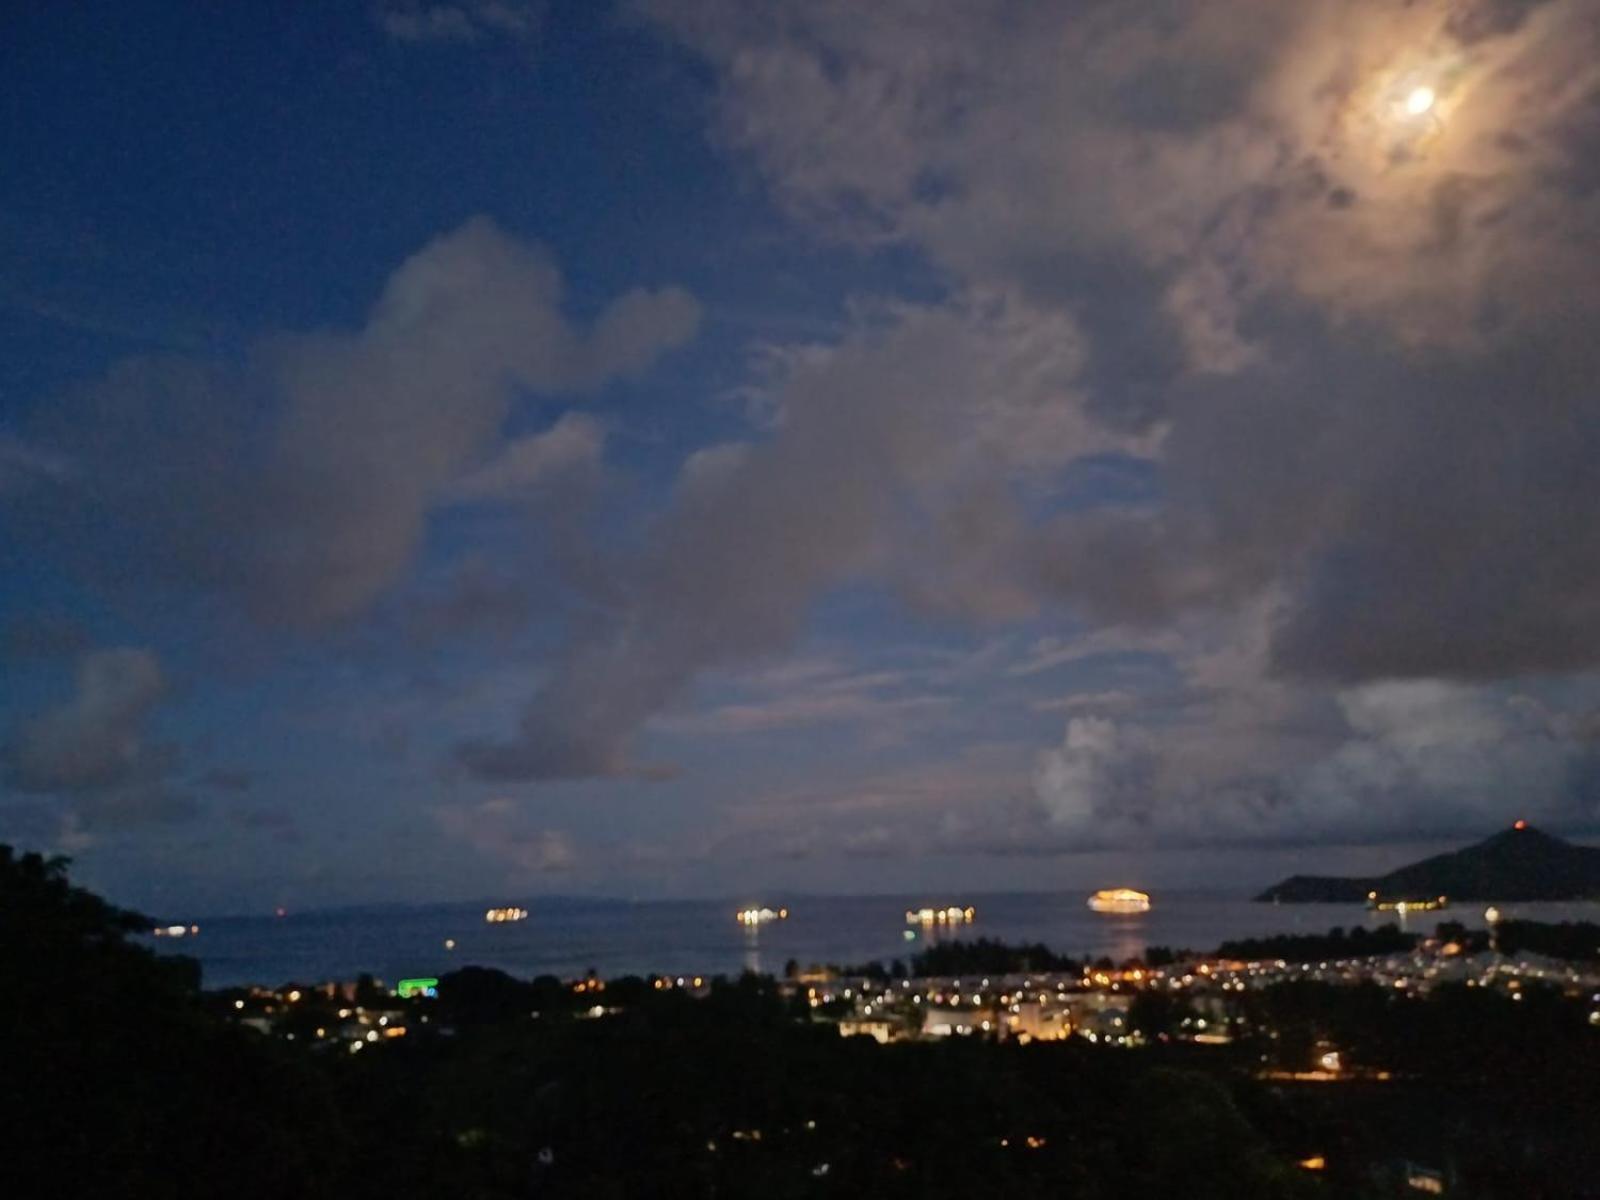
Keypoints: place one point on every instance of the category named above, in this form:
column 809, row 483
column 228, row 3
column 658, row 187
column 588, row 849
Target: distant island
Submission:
column 1520, row 863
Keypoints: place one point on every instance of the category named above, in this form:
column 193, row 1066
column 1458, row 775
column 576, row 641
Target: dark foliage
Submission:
column 1576, row 941
column 986, row 956
column 119, row 1083
column 1336, row 944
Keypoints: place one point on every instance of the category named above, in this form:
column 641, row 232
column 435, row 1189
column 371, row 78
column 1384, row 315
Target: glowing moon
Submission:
column 1419, row 101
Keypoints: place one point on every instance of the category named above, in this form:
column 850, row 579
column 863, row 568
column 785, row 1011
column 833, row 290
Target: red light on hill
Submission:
column 1519, row 824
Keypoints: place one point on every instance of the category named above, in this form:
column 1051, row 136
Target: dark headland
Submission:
column 1520, row 863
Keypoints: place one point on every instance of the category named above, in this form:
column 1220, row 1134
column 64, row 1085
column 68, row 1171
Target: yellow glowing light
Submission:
column 1420, row 100
column 1120, row 900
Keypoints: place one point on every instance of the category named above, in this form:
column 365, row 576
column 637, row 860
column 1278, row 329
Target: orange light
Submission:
column 1519, row 823
column 1315, row 1163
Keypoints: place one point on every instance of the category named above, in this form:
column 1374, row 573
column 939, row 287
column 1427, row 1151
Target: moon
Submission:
column 1420, row 101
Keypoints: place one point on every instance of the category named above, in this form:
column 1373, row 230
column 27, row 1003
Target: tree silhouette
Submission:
column 118, row 1082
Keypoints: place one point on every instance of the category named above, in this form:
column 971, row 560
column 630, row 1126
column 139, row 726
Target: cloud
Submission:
column 950, row 803
column 92, row 753
column 278, row 822
column 1099, row 765
column 890, row 447
column 96, row 740
column 298, row 483
column 1415, row 759
column 1226, row 148
column 24, row 467
column 131, row 810
column 881, row 703
column 466, row 21
column 573, row 444
column 1357, row 338
column 475, row 598
column 497, row 830
column 227, row 779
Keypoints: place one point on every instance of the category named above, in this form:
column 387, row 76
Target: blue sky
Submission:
column 474, row 448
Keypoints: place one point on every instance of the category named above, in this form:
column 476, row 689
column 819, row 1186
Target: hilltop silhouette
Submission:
column 1520, row 863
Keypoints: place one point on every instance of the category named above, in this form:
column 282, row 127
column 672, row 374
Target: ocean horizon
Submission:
column 568, row 936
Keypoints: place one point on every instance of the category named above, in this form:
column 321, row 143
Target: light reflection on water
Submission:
column 567, row 937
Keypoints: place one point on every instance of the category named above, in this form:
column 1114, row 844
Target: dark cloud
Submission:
column 132, row 810
column 476, row 598
column 93, row 756
column 1473, row 20
column 227, row 779
column 29, row 823
column 499, row 831
column 95, row 742
column 269, row 819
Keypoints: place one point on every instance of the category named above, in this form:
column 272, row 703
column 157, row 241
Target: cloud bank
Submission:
column 296, row 484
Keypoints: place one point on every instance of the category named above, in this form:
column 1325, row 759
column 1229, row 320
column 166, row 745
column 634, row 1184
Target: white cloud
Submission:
column 363, row 431
column 575, row 443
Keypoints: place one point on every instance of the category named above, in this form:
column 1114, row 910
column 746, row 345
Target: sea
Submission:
column 569, row 937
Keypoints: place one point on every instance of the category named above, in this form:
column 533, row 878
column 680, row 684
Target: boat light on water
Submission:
column 760, row 916
column 497, row 916
column 1120, row 900
column 954, row 915
column 1425, row 904
column 176, row 931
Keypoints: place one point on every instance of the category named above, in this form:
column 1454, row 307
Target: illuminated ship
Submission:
column 1404, row 906
column 954, row 915
column 498, row 916
column 176, row 931
column 1119, row 900
column 760, row 916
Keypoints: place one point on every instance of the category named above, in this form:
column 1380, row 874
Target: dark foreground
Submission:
column 125, row 1080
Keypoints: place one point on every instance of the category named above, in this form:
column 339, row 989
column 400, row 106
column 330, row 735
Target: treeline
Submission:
column 987, row 956
column 1576, row 941
column 1358, row 942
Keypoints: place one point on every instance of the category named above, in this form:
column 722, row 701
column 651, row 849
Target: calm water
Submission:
column 567, row 937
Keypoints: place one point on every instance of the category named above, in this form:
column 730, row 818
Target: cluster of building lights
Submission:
column 498, row 916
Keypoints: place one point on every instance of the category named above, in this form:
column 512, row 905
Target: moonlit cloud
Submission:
column 1352, row 334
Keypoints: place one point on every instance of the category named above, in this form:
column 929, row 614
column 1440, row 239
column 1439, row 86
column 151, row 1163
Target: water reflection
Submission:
column 752, row 948
column 1128, row 937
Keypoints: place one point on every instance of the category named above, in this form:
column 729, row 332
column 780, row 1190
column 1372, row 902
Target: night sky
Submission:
column 699, row 448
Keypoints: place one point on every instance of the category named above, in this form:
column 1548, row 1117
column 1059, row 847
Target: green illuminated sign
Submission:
column 417, row 987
